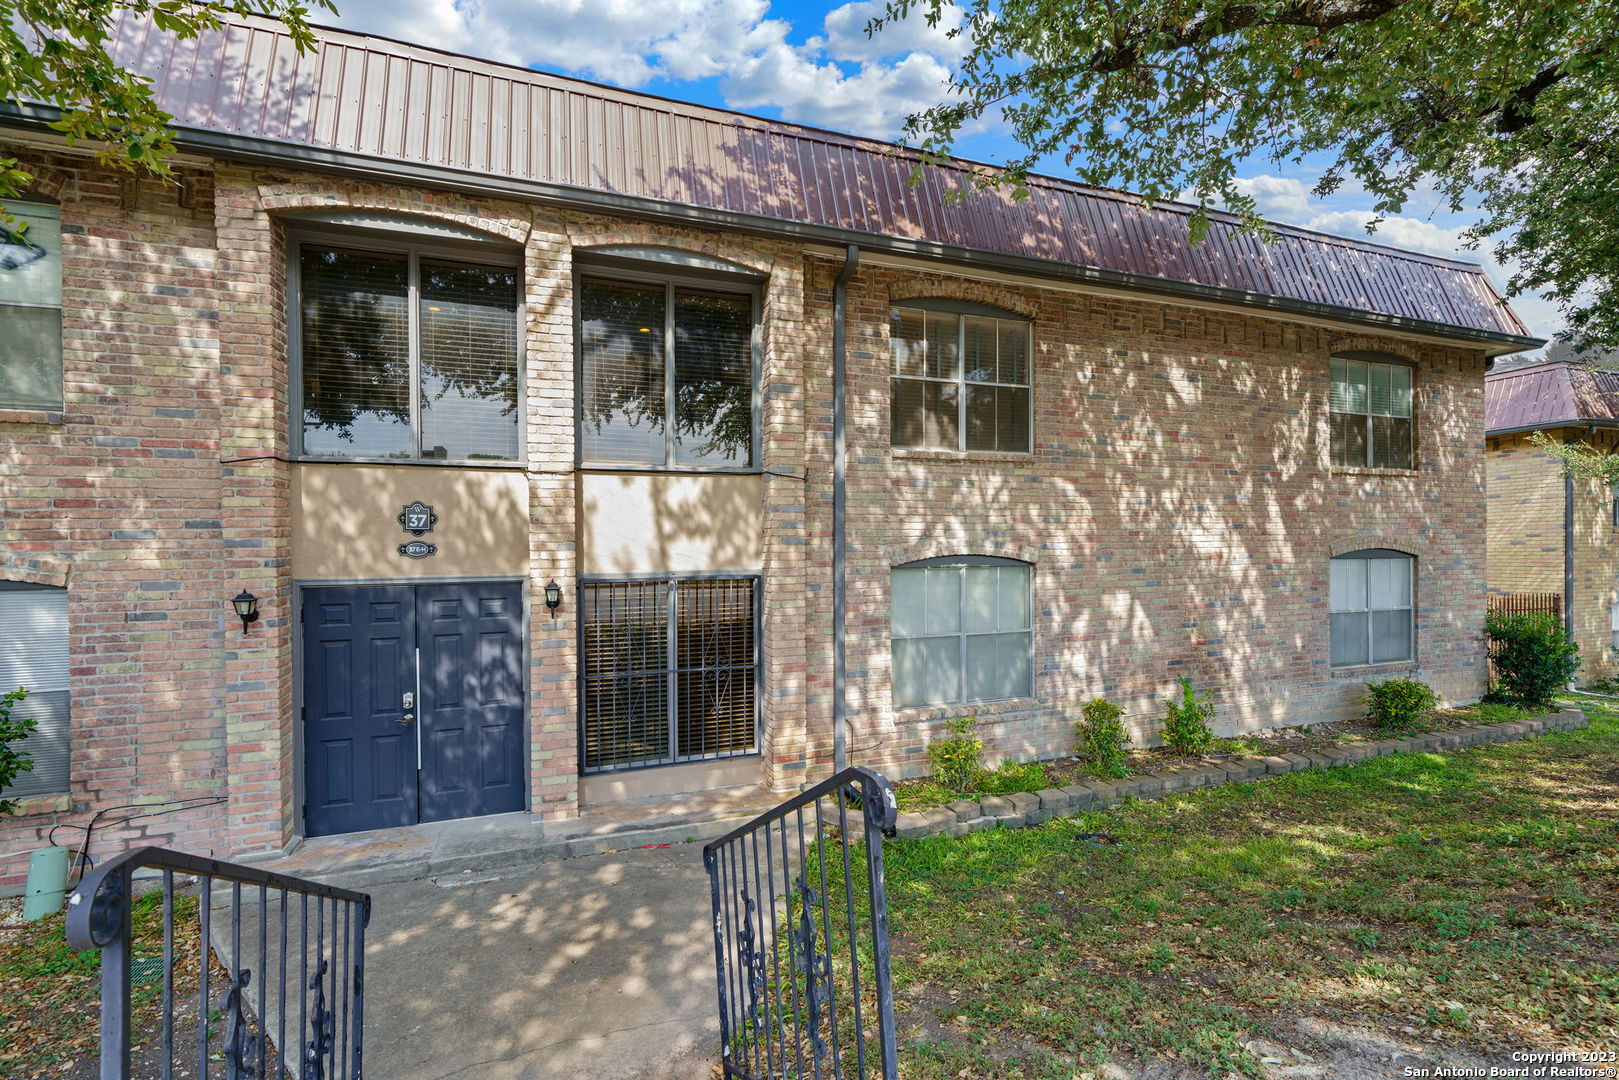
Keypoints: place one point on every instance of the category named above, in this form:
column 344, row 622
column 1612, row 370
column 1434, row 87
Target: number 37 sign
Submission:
column 417, row 518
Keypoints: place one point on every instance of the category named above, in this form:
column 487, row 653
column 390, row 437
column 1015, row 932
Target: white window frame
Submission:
column 960, row 564
column 27, row 661
column 43, row 211
column 961, row 312
column 394, row 237
column 1373, row 360
column 1372, row 555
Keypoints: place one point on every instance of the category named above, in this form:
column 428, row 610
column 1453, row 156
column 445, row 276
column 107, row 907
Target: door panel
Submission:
column 472, row 700
column 359, row 753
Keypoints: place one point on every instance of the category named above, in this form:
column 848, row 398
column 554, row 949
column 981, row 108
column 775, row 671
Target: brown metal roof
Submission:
column 1556, row 394
column 371, row 99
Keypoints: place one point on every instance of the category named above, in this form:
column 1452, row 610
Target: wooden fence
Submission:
column 1526, row 603
column 1520, row 604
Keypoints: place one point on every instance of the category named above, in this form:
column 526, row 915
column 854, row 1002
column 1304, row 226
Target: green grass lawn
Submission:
column 1470, row 897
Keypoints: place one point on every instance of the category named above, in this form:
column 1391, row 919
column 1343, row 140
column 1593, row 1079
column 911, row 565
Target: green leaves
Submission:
column 55, row 54
column 1509, row 107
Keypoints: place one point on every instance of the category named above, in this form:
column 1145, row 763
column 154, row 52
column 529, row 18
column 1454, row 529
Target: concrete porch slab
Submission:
column 511, row 841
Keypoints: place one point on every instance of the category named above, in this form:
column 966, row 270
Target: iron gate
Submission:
column 801, row 936
column 289, row 1000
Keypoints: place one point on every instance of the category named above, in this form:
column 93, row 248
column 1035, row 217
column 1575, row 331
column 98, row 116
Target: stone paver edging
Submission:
column 1033, row 807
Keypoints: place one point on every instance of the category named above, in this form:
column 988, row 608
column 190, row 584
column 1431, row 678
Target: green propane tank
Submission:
column 47, row 883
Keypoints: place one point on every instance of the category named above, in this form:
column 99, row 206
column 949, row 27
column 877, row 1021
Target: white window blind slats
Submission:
column 33, row 651
column 1371, row 609
column 1370, row 405
column 468, row 351
column 713, row 375
column 34, row 655
column 960, row 633
column 960, row 382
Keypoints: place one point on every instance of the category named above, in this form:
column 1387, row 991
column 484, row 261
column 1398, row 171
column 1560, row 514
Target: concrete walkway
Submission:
column 601, row 966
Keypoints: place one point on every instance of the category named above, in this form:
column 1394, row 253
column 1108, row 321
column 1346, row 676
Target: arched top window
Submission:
column 1371, row 409
column 961, row 377
column 33, row 655
column 1372, row 607
column 31, row 305
column 962, row 630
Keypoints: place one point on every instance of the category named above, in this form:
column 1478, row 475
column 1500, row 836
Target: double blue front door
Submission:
column 413, row 704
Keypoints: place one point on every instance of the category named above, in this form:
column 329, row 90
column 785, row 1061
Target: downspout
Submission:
column 1568, row 544
column 840, row 379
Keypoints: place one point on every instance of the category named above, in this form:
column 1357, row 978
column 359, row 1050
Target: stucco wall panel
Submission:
column 345, row 521
column 631, row 523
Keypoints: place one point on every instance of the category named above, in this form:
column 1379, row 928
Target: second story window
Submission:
column 666, row 375
column 1371, row 412
column 31, row 306
column 960, row 380
column 407, row 355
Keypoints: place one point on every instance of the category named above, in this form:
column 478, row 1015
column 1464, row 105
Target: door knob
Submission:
column 408, row 718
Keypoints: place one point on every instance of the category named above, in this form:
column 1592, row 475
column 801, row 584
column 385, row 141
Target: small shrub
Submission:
column 957, row 761
column 1398, row 704
column 1186, row 724
column 1534, row 656
column 1100, row 740
column 13, row 762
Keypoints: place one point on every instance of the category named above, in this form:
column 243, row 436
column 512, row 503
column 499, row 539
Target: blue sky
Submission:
column 812, row 63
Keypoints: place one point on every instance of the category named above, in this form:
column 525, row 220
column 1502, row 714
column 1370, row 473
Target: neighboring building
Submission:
column 1549, row 534
column 1084, row 456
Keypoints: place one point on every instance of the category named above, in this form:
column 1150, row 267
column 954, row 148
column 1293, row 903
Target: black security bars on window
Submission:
column 669, row 671
column 251, row 974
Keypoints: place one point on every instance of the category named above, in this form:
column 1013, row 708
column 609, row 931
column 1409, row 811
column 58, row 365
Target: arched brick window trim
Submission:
column 35, row 570
column 950, row 291
column 941, row 548
column 288, row 198
column 1408, row 545
column 1400, row 350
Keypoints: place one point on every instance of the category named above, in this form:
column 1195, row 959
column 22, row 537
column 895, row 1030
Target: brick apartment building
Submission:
column 416, row 337
column 1549, row 534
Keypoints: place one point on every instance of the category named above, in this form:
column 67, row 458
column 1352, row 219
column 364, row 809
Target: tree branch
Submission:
column 1187, row 34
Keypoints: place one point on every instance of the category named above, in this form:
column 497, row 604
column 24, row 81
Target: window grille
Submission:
column 1371, row 605
column 408, row 357
column 31, row 306
column 670, row 671
column 33, row 655
column 960, row 381
column 1370, row 409
column 649, row 351
column 961, row 632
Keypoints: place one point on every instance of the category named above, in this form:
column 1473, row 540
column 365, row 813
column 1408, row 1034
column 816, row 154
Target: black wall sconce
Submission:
column 247, row 608
column 553, row 596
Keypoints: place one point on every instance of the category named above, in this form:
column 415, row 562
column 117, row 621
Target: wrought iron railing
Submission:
column 268, row 982
column 801, row 936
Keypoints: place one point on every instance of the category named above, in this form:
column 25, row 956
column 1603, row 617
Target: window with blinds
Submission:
column 649, row 352
column 669, row 671
column 959, row 381
column 1371, row 607
column 31, row 306
column 406, row 356
column 1370, row 408
column 961, row 631
column 33, row 655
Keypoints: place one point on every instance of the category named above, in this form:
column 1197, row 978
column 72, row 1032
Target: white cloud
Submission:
column 839, row 79
column 1277, row 196
column 1412, row 234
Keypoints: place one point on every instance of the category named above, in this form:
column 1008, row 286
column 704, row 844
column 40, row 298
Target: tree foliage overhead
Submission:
column 1508, row 105
column 55, row 52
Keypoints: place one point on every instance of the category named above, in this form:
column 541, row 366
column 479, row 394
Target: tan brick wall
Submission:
column 1525, row 539
column 1179, row 508
column 1525, row 498
column 117, row 499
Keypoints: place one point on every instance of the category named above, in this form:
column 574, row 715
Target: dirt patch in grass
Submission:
column 1409, row 910
column 924, row 792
